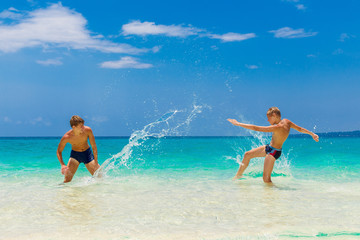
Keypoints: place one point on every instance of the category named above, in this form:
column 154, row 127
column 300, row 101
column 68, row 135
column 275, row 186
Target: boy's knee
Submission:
column 68, row 179
column 247, row 155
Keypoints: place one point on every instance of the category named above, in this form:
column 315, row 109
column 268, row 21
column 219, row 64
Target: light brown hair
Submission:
column 273, row 110
column 76, row 120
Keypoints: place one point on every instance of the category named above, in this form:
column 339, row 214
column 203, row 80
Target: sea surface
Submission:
column 156, row 187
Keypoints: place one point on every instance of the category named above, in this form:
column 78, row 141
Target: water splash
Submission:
column 171, row 123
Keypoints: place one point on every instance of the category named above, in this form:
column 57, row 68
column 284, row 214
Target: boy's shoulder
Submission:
column 87, row 130
column 286, row 121
column 67, row 135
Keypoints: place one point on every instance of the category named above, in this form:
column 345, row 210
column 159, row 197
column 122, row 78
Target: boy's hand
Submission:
column 64, row 169
column 233, row 121
column 315, row 137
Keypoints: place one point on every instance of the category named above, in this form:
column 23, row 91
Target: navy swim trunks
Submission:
column 276, row 153
column 82, row 157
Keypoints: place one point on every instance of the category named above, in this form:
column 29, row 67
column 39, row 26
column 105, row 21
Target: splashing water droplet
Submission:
column 166, row 125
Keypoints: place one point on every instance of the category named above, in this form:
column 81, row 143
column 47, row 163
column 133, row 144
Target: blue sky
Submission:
column 123, row 64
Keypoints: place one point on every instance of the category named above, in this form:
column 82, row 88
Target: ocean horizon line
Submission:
column 324, row 134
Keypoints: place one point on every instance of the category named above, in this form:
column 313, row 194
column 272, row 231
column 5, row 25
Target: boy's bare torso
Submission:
column 79, row 143
column 281, row 133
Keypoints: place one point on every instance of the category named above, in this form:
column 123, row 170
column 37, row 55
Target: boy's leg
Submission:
column 254, row 153
column 73, row 166
column 92, row 167
column 268, row 167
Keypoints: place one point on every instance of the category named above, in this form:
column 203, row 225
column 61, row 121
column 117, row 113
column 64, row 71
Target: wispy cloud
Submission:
column 338, row 51
column 11, row 13
column 150, row 28
column 99, row 119
column 6, row 119
column 40, row 121
column 345, row 36
column 126, row 62
column 49, row 62
column 55, row 26
column 300, row 7
column 252, row 67
column 297, row 4
column 232, row 37
column 287, row 32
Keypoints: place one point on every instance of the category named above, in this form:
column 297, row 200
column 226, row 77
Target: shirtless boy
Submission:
column 280, row 129
column 81, row 151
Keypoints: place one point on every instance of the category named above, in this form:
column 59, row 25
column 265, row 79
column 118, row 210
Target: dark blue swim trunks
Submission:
column 276, row 153
column 82, row 157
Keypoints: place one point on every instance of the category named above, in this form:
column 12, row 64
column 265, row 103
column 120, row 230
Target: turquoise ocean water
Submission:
column 156, row 187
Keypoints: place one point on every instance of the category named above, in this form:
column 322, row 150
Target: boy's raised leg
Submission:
column 254, row 153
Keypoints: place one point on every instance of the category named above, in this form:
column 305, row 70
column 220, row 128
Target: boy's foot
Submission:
column 237, row 177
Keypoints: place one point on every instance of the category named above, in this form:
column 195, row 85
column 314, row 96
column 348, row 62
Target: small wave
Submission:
column 322, row 235
column 258, row 174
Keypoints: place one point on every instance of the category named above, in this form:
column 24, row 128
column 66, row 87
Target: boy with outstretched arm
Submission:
column 280, row 129
column 81, row 152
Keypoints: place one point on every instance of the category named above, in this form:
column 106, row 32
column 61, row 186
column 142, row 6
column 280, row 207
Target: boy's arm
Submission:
column 303, row 130
column 254, row 127
column 60, row 148
column 93, row 145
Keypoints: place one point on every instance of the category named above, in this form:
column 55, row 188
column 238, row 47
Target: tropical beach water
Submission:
column 156, row 187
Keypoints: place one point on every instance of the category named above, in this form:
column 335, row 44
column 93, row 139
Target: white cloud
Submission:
column 6, row 119
column 11, row 13
column 48, row 62
column 150, row 28
column 287, row 32
column 338, row 51
column 345, row 36
column 56, row 26
column 99, row 119
column 251, row 66
column 156, row 49
column 126, row 62
column 300, row 6
column 232, row 37
column 297, row 4
column 311, row 56
column 40, row 121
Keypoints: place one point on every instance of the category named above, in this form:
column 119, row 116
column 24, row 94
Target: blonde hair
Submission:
column 76, row 120
column 273, row 110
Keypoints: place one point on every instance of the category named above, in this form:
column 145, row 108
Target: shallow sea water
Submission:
column 181, row 188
